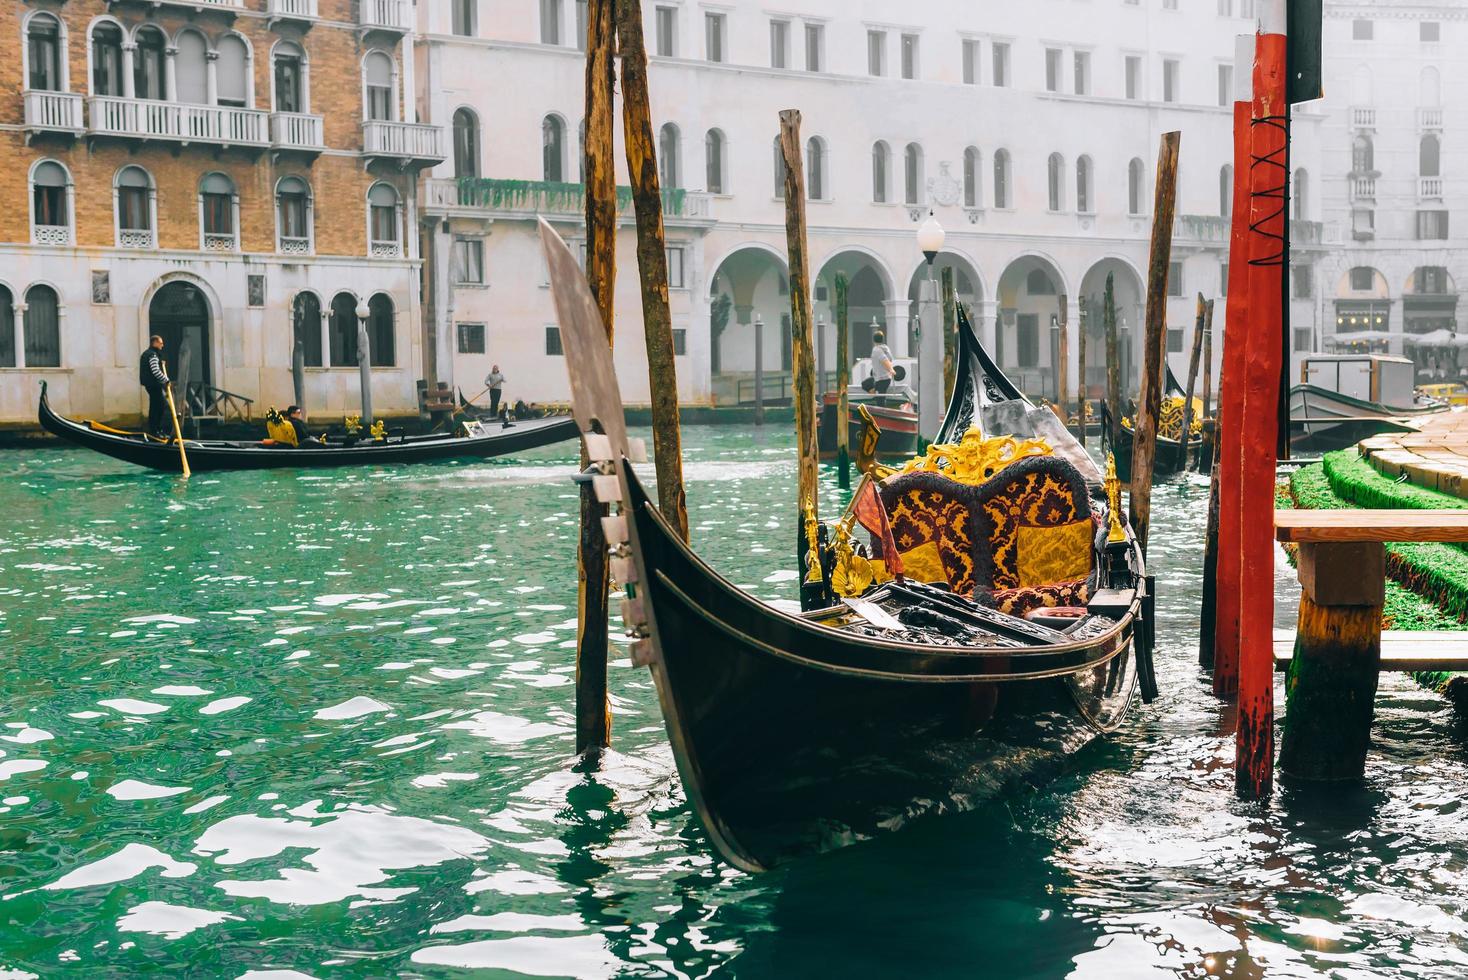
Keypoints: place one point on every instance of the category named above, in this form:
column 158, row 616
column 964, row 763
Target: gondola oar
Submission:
column 183, row 457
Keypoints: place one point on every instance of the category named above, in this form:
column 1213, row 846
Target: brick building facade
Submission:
column 239, row 176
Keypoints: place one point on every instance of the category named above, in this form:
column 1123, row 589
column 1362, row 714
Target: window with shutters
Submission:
column 471, row 338
column 468, row 262
column 43, row 54
column 232, row 72
column 381, row 85
column 50, row 204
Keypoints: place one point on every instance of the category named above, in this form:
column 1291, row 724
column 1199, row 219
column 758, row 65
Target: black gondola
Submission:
column 797, row 732
column 215, row 454
column 1169, row 456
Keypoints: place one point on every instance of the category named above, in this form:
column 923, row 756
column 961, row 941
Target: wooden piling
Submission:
column 1208, row 362
column 1193, row 359
column 803, row 384
column 652, row 264
column 1149, row 400
column 843, row 381
column 1062, row 370
column 950, row 331
column 1113, row 364
column 1208, row 610
column 593, row 712
column 1086, row 313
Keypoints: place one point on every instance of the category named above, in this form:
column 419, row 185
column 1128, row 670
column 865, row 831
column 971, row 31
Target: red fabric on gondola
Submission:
column 873, row 516
column 1263, row 355
column 1230, row 411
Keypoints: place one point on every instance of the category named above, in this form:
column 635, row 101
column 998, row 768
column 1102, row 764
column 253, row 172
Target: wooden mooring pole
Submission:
column 593, row 713
column 1208, row 361
column 950, row 330
column 652, row 264
column 1062, row 369
column 1185, row 437
column 843, row 381
column 1149, row 400
column 1086, row 313
column 1113, row 363
column 803, row 383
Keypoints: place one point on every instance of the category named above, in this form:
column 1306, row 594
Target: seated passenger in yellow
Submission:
column 288, row 429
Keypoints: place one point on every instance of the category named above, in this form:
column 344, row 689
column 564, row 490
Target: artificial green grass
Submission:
column 1357, row 481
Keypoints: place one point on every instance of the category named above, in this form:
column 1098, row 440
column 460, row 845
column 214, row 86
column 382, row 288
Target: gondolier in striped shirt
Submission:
column 153, row 376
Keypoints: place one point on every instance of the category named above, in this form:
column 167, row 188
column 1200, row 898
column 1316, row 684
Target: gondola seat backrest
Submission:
column 1038, row 524
column 938, row 527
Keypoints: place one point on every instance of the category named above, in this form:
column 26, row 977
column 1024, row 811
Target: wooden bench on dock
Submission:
column 1339, row 648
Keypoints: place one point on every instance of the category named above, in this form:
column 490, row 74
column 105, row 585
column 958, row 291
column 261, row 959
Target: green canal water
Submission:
column 319, row 724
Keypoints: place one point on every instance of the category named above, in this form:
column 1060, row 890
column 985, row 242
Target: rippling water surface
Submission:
column 321, row 722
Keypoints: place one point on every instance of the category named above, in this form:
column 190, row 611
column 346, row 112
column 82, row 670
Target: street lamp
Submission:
column 364, row 360
column 759, row 370
column 930, row 332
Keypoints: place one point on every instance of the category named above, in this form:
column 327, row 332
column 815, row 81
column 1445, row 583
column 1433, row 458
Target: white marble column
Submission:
column 410, row 93
column 170, row 73
column 1073, row 342
column 211, row 77
column 989, row 326
column 128, row 90
column 897, row 312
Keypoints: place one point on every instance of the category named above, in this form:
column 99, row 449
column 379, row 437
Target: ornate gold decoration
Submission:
column 866, row 450
column 853, row 574
column 353, row 424
column 975, row 459
column 812, row 543
column 1114, row 530
column 1170, row 419
column 378, row 430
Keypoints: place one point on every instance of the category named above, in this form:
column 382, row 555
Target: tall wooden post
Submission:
column 950, row 330
column 1208, row 362
column 1268, row 208
column 1149, row 401
column 1062, row 370
column 1113, row 363
column 1192, row 380
column 1086, row 314
column 593, row 712
column 843, row 381
column 803, row 384
column 652, row 264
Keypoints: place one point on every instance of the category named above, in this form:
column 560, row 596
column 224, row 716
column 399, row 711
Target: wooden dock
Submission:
column 1402, row 651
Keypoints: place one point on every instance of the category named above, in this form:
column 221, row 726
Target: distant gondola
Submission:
column 797, row 732
column 1170, row 456
column 218, row 454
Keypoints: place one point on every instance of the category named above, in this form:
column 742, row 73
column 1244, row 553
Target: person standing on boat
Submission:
column 495, row 382
column 153, row 376
column 882, row 367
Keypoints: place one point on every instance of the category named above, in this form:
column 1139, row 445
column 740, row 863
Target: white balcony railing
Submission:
column 297, row 131
column 1363, row 188
column 214, row 242
column 1363, row 117
column 385, row 15
column 53, row 111
column 544, row 197
column 386, row 250
column 51, row 234
column 205, row 4
column 1429, row 187
column 417, row 141
column 135, row 238
column 295, row 246
column 147, row 119
column 1430, row 117
column 292, row 10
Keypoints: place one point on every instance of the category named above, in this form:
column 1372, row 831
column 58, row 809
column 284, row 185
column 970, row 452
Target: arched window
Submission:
column 149, row 81
column 1134, row 192
column 1055, row 182
column 1226, row 190
column 381, row 86
column 190, row 83
column 44, row 55
column 1302, row 194
column 881, row 168
column 291, row 84
column 382, row 221
column 466, row 143
column 912, row 168
column 779, row 170
column 380, row 331
column 1363, row 155
column 550, row 21
column 815, row 169
column 1429, row 157
column 232, row 73
column 341, row 330
column 134, row 201
column 106, row 59
column 306, row 327
column 293, row 216
column 669, row 168
column 218, row 213
column 971, row 177
column 553, row 149
column 713, row 161
column 1084, row 204
column 1430, row 87
column 50, row 204
column 7, row 328
column 42, row 328
column 1002, row 196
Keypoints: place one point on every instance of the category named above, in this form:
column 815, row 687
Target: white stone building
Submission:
column 1031, row 130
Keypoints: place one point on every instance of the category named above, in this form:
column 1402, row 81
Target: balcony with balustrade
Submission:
column 1429, row 188
column 1211, row 229
column 1363, row 117
column 302, row 13
column 229, row 7
column 1430, row 119
column 1363, row 188
column 146, row 119
column 485, row 197
column 387, row 16
column 53, row 112
column 402, row 144
column 297, row 132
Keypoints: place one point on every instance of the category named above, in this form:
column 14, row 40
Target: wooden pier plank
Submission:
column 1401, row 650
column 1338, row 526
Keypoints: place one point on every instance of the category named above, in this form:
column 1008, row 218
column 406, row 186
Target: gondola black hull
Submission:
column 1170, row 456
column 211, row 455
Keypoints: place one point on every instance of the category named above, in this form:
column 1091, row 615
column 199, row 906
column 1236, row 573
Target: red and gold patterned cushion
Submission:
column 928, row 511
column 1043, row 494
column 1017, row 602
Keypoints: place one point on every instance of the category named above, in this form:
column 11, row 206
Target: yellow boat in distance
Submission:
column 1455, row 393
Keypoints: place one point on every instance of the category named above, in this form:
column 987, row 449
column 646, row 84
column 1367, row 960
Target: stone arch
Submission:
column 185, row 310
column 870, row 292
column 753, row 275
column 1028, row 297
column 1130, row 297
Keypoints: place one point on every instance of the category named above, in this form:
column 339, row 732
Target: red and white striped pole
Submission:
column 1231, row 386
column 1263, row 357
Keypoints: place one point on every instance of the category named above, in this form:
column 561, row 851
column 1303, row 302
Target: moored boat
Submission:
column 483, row 442
column 896, row 422
column 1170, row 455
column 1344, row 398
column 908, row 690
